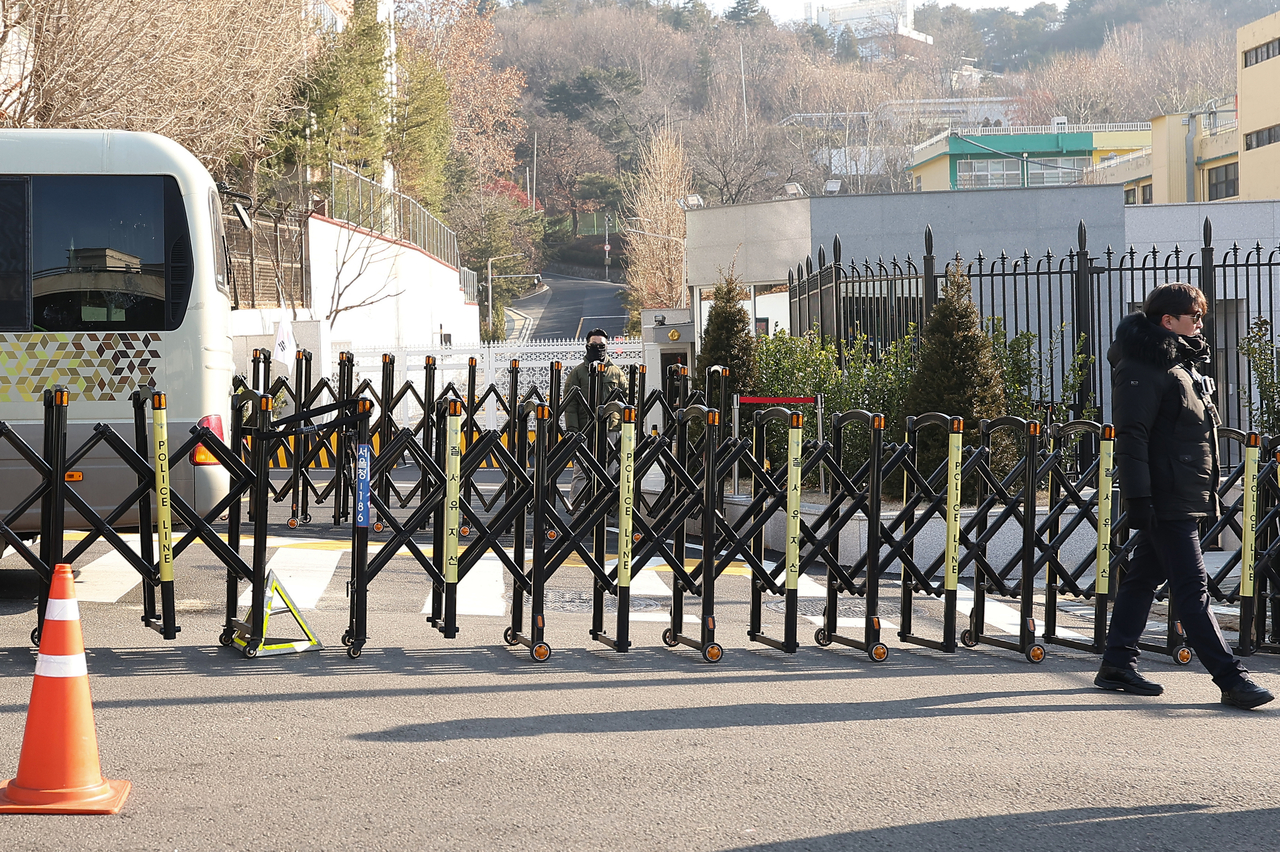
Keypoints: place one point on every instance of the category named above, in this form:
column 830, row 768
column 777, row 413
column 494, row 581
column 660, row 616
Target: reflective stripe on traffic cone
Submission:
column 58, row 770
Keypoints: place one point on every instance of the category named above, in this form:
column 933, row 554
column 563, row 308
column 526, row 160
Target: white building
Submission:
column 869, row 19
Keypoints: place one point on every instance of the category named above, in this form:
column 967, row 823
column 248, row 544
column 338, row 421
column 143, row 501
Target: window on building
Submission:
column 1147, row 197
column 1131, row 195
column 1262, row 53
column 1056, row 171
column 1259, row 138
column 976, row 174
column 1224, row 182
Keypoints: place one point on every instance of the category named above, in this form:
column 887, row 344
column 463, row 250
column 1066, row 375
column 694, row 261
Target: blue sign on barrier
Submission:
column 364, row 455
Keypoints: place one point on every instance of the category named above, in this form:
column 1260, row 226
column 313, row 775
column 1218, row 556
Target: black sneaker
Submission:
column 1246, row 695
column 1127, row 680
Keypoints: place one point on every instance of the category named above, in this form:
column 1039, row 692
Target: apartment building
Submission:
column 1227, row 149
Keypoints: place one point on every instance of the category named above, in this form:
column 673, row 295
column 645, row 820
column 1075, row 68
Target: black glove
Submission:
column 1141, row 512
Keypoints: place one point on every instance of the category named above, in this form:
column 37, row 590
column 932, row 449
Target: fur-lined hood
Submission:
column 1142, row 340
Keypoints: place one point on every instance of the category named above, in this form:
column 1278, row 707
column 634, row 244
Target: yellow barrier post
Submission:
column 952, row 553
column 795, row 435
column 1249, row 543
column 452, row 510
column 164, row 513
column 1102, row 555
column 626, row 505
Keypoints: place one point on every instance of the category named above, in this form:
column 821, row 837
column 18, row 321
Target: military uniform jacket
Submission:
column 1166, row 424
column 577, row 416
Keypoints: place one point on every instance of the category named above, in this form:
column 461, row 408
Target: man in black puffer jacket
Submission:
column 1167, row 457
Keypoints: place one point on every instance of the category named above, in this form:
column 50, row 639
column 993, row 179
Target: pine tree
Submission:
column 727, row 340
column 745, row 12
column 957, row 373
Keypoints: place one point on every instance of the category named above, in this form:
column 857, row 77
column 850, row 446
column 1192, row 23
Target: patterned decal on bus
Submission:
column 92, row 365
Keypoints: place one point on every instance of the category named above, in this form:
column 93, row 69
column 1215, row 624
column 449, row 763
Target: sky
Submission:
column 791, row 10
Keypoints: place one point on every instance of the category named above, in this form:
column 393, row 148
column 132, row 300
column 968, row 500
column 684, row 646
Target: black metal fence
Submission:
column 1071, row 304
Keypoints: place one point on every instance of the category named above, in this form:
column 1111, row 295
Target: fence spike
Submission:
column 835, row 249
column 1208, row 232
column 1082, row 234
column 822, row 258
column 928, row 239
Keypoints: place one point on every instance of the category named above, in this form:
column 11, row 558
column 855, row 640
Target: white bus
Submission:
column 113, row 277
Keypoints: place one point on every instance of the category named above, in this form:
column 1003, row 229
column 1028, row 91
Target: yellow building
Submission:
column 1258, row 85
column 1229, row 148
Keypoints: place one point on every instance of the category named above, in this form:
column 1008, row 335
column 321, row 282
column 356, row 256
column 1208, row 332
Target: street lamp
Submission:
column 491, row 260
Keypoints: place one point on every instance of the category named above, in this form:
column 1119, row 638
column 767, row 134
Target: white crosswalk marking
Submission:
column 480, row 592
column 304, row 573
column 647, row 584
column 109, row 577
column 1004, row 618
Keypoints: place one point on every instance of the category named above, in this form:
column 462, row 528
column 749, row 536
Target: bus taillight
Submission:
column 200, row 455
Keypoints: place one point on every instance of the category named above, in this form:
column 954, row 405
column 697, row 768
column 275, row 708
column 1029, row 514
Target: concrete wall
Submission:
column 1167, row 225
column 410, row 298
column 771, row 237
column 760, row 241
column 969, row 221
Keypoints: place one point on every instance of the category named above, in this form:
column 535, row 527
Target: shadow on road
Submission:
column 1154, row 827
column 757, row 715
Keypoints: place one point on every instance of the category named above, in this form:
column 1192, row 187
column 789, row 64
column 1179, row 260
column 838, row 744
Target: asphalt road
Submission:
column 467, row 744
column 570, row 307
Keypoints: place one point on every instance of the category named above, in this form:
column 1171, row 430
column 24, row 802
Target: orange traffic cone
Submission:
column 58, row 770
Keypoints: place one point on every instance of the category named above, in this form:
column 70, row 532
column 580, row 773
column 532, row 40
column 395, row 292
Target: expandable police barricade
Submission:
column 1260, row 582
column 935, row 495
column 56, row 492
column 1080, row 495
column 452, row 522
column 1014, row 496
column 850, row 495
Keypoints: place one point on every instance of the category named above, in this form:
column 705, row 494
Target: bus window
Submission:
column 221, row 257
column 109, row 253
column 15, row 307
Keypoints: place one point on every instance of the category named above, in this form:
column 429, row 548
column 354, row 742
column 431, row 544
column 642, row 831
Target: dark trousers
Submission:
column 1172, row 552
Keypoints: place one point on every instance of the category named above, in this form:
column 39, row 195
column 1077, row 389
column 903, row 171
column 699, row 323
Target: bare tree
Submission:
column 483, row 100
column 655, row 258
column 214, row 75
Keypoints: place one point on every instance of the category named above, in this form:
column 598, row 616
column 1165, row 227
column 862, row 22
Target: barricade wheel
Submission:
column 293, row 523
column 251, row 650
column 346, row 637
column 509, row 636
column 306, row 519
column 712, row 652
column 541, row 652
column 225, row 638
column 1036, row 653
column 35, row 636
column 1182, row 656
column 378, row 527
column 669, row 638
column 878, row 652
column 820, row 636
column 967, row 638
column 354, row 649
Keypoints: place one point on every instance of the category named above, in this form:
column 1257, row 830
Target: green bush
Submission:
column 1259, row 347
column 727, row 340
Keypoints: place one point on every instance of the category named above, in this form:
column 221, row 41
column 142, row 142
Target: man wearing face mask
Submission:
column 1167, row 459
column 577, row 415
